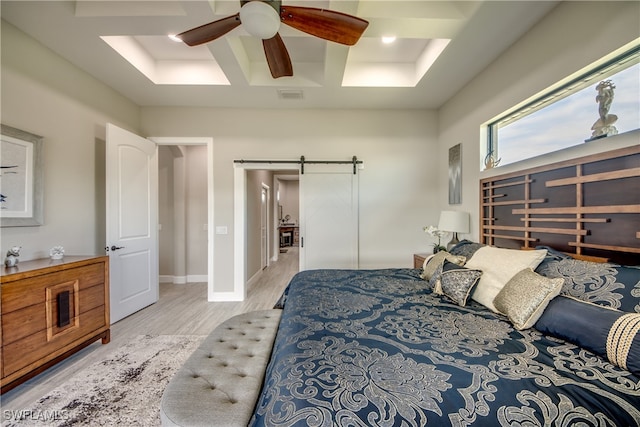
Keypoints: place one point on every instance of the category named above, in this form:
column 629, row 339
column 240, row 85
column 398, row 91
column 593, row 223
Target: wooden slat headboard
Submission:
column 588, row 206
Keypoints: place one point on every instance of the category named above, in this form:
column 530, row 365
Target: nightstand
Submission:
column 418, row 260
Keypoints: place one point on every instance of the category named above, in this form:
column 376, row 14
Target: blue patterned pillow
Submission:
column 609, row 285
column 609, row 333
column 457, row 282
column 466, row 248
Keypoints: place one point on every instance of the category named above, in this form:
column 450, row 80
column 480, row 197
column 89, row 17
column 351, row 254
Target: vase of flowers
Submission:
column 438, row 234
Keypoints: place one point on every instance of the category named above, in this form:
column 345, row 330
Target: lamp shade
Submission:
column 260, row 19
column 457, row 222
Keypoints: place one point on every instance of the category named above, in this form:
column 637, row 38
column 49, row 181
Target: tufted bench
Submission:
column 220, row 383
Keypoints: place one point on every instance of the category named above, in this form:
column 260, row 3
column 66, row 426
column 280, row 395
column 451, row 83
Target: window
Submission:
column 563, row 117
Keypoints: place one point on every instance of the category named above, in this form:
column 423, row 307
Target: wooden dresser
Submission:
column 49, row 310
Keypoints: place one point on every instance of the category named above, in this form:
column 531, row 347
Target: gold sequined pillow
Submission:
column 524, row 297
column 434, row 263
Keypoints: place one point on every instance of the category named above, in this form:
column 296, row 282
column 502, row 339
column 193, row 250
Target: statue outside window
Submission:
column 604, row 125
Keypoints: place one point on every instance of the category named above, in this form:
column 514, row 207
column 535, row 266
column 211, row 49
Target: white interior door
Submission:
column 329, row 217
column 132, row 218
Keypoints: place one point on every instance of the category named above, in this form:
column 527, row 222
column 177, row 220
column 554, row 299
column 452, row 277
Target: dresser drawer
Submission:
column 32, row 319
column 32, row 348
column 23, row 293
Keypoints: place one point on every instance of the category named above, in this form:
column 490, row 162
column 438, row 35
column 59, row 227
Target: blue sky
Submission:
column 568, row 122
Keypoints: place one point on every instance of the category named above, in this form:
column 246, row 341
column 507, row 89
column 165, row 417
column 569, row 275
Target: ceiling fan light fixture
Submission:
column 260, row 19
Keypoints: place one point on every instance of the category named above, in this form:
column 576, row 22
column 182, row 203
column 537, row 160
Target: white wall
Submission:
column 290, row 199
column 397, row 185
column 45, row 95
column 572, row 36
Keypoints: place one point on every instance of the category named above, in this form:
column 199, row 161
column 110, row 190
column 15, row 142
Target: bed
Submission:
column 381, row 348
column 517, row 335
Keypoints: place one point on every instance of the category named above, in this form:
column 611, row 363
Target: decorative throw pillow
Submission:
column 432, row 263
column 524, row 297
column 466, row 248
column 457, row 282
column 424, row 273
column 434, row 282
column 498, row 266
column 606, row 284
column 607, row 332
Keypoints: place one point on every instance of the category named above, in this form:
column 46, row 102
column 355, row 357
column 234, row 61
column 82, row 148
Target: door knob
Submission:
column 115, row 248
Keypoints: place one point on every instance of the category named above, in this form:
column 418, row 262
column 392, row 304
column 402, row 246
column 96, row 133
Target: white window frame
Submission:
column 608, row 66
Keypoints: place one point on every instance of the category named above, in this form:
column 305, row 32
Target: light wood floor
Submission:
column 181, row 310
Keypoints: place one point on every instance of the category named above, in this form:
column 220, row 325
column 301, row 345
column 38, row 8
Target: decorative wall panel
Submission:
column 588, row 206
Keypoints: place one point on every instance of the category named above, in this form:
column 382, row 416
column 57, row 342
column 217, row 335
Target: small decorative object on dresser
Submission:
column 56, row 252
column 12, row 256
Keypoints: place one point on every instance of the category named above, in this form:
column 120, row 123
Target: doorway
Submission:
column 189, row 249
column 262, row 233
column 246, row 261
column 287, row 211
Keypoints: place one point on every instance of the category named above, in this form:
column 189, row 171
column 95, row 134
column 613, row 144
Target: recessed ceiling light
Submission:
column 388, row 39
column 175, row 38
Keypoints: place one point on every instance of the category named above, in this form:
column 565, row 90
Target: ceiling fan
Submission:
column 261, row 18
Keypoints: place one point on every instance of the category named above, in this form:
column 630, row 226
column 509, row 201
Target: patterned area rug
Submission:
column 123, row 390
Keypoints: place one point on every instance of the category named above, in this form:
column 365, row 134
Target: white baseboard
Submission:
column 182, row 280
column 225, row 296
column 193, row 278
column 165, row 279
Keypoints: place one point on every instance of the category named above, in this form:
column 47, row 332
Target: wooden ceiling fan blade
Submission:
column 211, row 31
column 277, row 57
column 327, row 24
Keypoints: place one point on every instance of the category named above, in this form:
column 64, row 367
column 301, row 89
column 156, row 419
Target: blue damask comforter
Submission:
column 377, row 348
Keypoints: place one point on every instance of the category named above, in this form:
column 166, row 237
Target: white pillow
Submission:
column 498, row 266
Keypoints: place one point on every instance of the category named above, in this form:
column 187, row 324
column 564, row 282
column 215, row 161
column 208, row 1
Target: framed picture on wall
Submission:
column 20, row 178
column 455, row 175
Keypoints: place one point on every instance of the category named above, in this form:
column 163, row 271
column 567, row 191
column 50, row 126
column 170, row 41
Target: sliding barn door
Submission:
column 328, row 217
